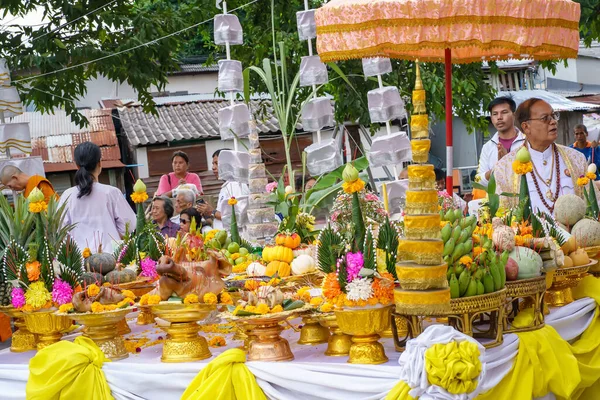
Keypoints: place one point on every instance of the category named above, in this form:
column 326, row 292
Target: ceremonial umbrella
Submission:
column 450, row 31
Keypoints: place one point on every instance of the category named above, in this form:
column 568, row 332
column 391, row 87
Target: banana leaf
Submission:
column 358, row 222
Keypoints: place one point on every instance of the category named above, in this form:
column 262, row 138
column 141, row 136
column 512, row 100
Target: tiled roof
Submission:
column 194, row 69
column 181, row 121
column 54, row 137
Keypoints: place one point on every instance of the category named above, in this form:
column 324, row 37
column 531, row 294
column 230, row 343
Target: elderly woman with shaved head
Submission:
column 15, row 179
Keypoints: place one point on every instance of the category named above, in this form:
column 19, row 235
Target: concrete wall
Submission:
column 588, row 70
column 568, row 73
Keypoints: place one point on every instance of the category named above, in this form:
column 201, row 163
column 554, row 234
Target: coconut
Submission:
column 587, row 233
column 569, row 209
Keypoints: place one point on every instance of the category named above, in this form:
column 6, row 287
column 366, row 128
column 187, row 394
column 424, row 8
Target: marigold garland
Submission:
column 331, row 286
column 251, row 284
column 316, row 301
column 139, row 198
column 583, row 180
column 225, row 298
column 86, row 252
column 232, row 201
column 520, row 168
column 97, row 307
column 66, row 308
column 591, row 176
column 277, row 309
column 93, row 290
column 128, row 294
column 327, row 307
column 354, row 186
column 154, row 300
column 217, row 341
column 210, row 298
column 37, row 207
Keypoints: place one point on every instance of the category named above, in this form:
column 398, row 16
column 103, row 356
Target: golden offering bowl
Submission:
column 264, row 340
column 364, row 325
column 183, row 343
column 22, row 339
column 48, row 326
column 103, row 329
column 145, row 316
column 339, row 343
column 312, row 333
column 564, row 280
column 594, row 254
column 123, row 327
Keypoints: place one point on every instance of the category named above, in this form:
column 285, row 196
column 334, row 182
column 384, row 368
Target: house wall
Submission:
column 587, row 70
column 568, row 73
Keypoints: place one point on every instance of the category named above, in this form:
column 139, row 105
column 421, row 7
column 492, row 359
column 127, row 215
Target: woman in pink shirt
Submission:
column 179, row 176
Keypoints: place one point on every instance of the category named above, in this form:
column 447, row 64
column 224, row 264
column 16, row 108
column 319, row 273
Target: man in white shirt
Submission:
column 507, row 139
column 228, row 190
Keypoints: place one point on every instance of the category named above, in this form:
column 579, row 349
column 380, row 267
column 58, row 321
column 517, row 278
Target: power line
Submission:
column 130, row 49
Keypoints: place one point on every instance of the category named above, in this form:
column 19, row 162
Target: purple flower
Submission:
column 17, row 297
column 354, row 263
column 149, row 268
column 62, row 293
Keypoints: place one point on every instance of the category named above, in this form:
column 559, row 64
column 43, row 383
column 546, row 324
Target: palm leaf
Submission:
column 370, row 261
column 329, row 241
column 388, row 241
column 71, row 262
column 13, row 263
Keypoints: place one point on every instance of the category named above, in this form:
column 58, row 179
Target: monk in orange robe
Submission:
column 15, row 179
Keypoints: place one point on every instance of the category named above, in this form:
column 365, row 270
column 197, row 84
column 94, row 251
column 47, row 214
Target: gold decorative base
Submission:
column 145, row 316
column 103, row 329
column 265, row 342
column 123, row 327
column 183, row 342
column 47, row 326
column 339, row 343
column 565, row 279
column 22, row 339
column 312, row 333
column 364, row 326
column 523, row 294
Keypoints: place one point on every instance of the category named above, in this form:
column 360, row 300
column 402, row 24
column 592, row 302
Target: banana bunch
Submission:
column 457, row 236
column 487, row 275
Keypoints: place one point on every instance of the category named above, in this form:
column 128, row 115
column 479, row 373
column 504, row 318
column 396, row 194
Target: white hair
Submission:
column 188, row 194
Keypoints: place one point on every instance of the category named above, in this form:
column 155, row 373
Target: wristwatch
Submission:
column 214, row 214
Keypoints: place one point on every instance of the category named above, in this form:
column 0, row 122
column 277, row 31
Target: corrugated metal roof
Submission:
column 54, row 136
column 194, row 69
column 558, row 103
column 568, row 94
column 191, row 120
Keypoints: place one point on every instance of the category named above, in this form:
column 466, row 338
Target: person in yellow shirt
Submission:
column 15, row 179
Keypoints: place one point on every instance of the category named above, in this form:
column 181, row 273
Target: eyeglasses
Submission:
column 184, row 221
column 547, row 118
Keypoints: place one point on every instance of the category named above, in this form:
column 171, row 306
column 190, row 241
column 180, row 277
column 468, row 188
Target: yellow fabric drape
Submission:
column 399, row 392
column 225, row 378
column 66, row 370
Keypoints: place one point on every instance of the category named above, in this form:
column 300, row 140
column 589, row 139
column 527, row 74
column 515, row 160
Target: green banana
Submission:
column 454, row 288
column 448, row 247
column 468, row 246
column 449, row 216
column 459, row 251
column 504, row 257
column 471, row 288
column 463, row 282
column 456, row 234
column 471, row 220
column 458, row 213
column 464, row 235
column 480, row 288
column 459, row 269
column 487, row 244
column 502, row 273
column 496, row 276
column 446, row 232
column 478, row 274
column 488, row 282
column 448, row 259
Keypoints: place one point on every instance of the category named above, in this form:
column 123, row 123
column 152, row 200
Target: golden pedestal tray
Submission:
column 565, row 279
column 102, row 328
column 314, row 279
column 594, row 254
column 48, row 326
column 123, row 327
column 364, row 325
column 145, row 316
column 22, row 340
column 339, row 343
column 312, row 333
column 522, row 294
column 183, row 343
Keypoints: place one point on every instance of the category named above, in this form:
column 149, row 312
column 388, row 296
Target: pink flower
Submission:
column 62, row 293
column 335, row 216
column 371, row 197
column 354, row 263
column 17, row 297
column 149, row 268
column 270, row 188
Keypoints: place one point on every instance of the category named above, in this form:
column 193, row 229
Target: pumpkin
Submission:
column 278, row 267
column 307, row 250
column 290, row 241
column 102, row 263
column 530, row 263
column 587, row 233
column 303, row 264
column 569, row 209
column 277, row 253
column 91, row 278
column 124, row 276
column 256, row 269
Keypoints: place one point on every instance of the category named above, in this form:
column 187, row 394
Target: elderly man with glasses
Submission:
column 555, row 167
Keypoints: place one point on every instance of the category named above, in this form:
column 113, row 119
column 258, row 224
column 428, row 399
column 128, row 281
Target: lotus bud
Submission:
column 350, row 174
column 35, row 196
column 523, row 155
column 139, row 187
column 288, row 190
column 592, row 168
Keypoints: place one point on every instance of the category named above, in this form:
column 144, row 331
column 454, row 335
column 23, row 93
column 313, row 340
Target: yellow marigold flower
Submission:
column 232, row 201
column 154, row 299
column 97, row 307
column 250, row 309
column 251, row 284
column 591, row 176
column 138, row 198
column 144, row 300
column 225, row 298
column 274, row 282
column 37, row 295
column 373, row 301
column 583, row 181
column 86, row 252
column 93, row 290
column 466, row 261
column 65, row 308
column 107, row 284
column 316, row 301
column 128, row 294
column 277, row 309
column 217, row 341
column 327, row 307
column 262, row 309
column 38, row 207
column 237, row 310
column 303, row 293
column 520, row 168
column 354, row 186
column 112, row 307
column 210, row 298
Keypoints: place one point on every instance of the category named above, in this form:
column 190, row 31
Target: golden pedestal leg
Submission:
column 123, row 327
column 145, row 317
column 312, row 333
column 366, row 349
column 106, row 336
column 22, row 339
column 48, row 327
column 184, row 343
column 267, row 344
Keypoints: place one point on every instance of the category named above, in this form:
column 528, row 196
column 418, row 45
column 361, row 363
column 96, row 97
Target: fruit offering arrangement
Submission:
column 97, row 299
column 457, row 235
column 485, row 274
column 265, row 299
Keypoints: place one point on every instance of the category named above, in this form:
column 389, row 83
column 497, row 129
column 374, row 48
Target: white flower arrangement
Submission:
column 359, row 289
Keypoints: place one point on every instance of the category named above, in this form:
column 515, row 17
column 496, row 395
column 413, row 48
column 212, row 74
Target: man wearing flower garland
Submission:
column 552, row 171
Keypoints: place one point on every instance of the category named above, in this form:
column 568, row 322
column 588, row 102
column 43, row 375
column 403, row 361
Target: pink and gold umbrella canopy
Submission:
column 449, row 31
column 474, row 30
